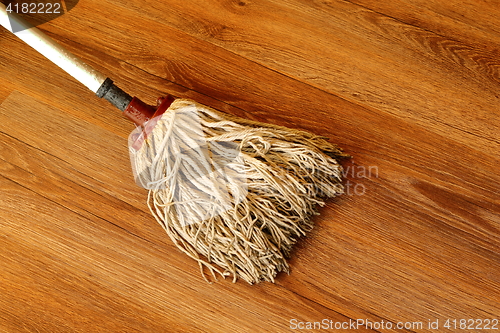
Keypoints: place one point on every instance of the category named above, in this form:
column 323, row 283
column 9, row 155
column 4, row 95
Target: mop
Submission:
column 233, row 194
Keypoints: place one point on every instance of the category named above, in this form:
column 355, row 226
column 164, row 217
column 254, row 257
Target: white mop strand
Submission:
column 234, row 194
column 59, row 55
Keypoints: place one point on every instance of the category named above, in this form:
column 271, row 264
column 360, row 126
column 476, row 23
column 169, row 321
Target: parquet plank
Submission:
column 469, row 21
column 440, row 83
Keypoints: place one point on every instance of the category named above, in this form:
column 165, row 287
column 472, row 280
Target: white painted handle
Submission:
column 60, row 56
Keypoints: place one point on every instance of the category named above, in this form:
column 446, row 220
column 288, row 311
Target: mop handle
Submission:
column 132, row 107
column 59, row 55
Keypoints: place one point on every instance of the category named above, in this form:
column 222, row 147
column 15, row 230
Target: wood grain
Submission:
column 408, row 88
column 312, row 54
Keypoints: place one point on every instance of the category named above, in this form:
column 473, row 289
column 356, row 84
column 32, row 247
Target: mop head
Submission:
column 233, row 194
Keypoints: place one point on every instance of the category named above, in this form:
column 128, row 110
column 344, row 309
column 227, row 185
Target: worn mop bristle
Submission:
column 231, row 193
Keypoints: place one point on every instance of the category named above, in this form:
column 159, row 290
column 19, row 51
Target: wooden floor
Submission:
column 409, row 88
